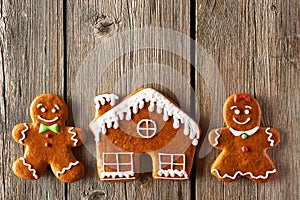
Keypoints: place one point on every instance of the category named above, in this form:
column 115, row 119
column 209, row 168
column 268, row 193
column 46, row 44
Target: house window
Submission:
column 120, row 162
column 146, row 128
column 173, row 161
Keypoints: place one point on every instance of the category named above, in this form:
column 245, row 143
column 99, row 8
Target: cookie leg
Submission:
column 68, row 170
column 28, row 168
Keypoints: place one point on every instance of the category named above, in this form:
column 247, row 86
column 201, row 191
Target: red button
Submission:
column 245, row 149
column 48, row 135
column 47, row 144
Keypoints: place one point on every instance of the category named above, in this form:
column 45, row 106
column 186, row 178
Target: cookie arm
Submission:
column 272, row 136
column 214, row 137
column 76, row 136
column 19, row 132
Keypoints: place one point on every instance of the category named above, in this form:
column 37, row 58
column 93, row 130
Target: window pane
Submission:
column 124, row 168
column 124, row 158
column 109, row 158
column 178, row 159
column 146, row 128
column 178, row 167
column 165, row 158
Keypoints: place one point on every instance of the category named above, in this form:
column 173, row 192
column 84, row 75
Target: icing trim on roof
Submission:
column 102, row 99
column 133, row 103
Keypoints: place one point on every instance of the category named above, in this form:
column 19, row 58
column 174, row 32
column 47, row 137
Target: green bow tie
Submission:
column 54, row 128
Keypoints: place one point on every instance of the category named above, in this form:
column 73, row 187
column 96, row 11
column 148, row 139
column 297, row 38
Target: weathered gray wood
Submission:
column 2, row 104
column 256, row 46
column 31, row 64
column 92, row 23
column 218, row 35
column 277, row 86
column 81, row 16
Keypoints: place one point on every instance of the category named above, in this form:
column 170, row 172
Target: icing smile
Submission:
column 47, row 120
column 241, row 123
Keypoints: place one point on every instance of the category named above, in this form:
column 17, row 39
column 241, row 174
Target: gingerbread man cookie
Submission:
column 48, row 141
column 243, row 142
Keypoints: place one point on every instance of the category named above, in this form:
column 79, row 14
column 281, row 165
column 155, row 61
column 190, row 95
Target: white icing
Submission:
column 233, row 107
column 23, row 133
column 114, row 175
column 150, row 132
column 53, row 110
column 241, row 123
column 137, row 101
column 217, row 138
column 246, row 111
column 170, row 178
column 43, row 110
column 39, row 105
column 270, row 136
column 71, row 164
column 104, row 98
column 73, row 135
column 239, row 133
column 248, row 107
column 171, row 172
column 47, row 120
column 117, row 174
column 237, row 111
column 30, row 168
column 56, row 106
column 195, row 142
column 244, row 174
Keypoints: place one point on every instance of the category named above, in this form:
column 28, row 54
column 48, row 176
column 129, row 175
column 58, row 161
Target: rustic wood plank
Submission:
column 223, row 29
column 92, row 23
column 80, row 40
column 255, row 47
column 277, row 86
column 2, row 102
column 31, row 64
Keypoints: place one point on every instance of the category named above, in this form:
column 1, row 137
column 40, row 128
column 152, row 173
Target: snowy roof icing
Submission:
column 104, row 98
column 132, row 104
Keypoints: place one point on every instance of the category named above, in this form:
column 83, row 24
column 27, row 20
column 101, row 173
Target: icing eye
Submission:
column 246, row 111
column 53, row 110
column 237, row 111
column 43, row 109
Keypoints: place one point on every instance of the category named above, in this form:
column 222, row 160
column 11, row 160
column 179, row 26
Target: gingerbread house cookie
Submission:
column 243, row 142
column 144, row 122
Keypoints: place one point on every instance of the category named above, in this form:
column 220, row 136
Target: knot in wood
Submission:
column 96, row 194
column 105, row 25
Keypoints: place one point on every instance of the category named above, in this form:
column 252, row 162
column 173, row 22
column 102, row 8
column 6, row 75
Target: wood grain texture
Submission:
column 93, row 23
column 31, row 64
column 256, row 46
column 55, row 47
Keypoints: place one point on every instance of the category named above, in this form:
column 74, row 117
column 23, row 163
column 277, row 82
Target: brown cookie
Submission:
column 145, row 122
column 48, row 141
column 243, row 142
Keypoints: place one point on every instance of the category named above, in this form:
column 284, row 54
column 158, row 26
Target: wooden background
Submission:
column 255, row 44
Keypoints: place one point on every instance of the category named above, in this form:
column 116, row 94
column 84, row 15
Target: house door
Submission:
column 145, row 163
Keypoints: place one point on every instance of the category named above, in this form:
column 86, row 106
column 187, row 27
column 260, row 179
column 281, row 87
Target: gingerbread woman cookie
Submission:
column 243, row 142
column 48, row 141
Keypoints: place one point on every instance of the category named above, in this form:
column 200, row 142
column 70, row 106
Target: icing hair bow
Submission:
column 239, row 97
